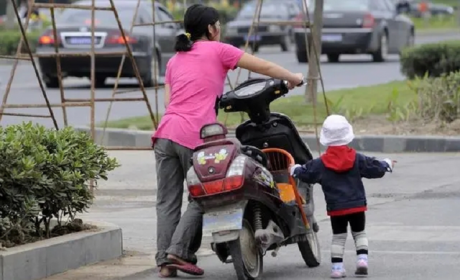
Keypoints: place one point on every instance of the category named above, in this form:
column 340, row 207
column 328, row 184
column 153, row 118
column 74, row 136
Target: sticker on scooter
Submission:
column 265, row 178
column 202, row 158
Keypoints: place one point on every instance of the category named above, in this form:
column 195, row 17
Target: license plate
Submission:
column 81, row 41
column 331, row 37
column 222, row 220
column 252, row 38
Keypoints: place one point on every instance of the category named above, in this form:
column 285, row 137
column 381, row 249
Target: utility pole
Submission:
column 315, row 52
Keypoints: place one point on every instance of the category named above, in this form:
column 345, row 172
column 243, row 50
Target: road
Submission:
column 412, row 222
column 412, row 225
column 351, row 72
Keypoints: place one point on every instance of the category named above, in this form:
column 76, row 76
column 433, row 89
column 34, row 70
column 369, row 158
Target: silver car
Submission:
column 74, row 36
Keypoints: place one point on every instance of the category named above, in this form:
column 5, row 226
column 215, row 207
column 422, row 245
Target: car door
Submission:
column 383, row 12
column 166, row 34
column 402, row 25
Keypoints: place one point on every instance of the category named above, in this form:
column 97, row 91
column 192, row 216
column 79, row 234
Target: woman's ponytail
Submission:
column 183, row 43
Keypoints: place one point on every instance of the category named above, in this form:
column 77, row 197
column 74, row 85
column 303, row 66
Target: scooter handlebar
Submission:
column 303, row 82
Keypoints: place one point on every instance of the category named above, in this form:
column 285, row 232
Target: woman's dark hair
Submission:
column 197, row 18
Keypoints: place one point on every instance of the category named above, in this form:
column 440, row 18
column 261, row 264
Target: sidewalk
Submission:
column 127, row 199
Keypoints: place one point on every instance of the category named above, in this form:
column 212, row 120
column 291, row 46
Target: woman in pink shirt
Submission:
column 195, row 79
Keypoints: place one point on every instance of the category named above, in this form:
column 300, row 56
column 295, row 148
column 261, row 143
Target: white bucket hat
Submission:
column 336, row 131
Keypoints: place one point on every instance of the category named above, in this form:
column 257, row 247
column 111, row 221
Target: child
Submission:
column 339, row 171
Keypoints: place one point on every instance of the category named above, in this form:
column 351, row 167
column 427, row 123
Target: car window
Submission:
column 379, row 5
column 74, row 16
column 164, row 15
column 390, row 5
column 268, row 10
column 342, row 5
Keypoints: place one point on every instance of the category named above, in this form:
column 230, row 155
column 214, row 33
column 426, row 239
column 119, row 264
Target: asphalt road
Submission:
column 412, row 225
column 351, row 72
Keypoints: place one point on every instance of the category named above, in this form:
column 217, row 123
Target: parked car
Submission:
column 358, row 27
column 74, row 36
column 411, row 7
column 237, row 31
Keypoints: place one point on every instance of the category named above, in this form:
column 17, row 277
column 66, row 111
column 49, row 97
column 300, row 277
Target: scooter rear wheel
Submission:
column 247, row 258
column 310, row 250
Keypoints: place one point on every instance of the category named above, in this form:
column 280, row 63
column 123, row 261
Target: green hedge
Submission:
column 44, row 175
column 10, row 39
column 434, row 59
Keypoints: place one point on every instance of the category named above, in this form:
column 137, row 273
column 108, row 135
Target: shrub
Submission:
column 44, row 175
column 434, row 59
column 438, row 98
column 10, row 41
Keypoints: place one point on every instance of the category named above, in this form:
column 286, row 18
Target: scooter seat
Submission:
column 255, row 154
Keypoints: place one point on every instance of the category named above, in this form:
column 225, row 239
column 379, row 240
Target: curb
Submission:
column 364, row 143
column 56, row 255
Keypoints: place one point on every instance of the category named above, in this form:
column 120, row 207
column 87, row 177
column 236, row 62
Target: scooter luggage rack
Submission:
column 279, row 162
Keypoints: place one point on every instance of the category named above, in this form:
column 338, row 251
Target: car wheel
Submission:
column 51, row 82
column 100, row 81
column 333, row 57
column 149, row 79
column 301, row 53
column 286, row 42
column 254, row 47
column 382, row 52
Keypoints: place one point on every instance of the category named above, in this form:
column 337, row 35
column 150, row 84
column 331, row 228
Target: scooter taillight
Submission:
column 218, row 186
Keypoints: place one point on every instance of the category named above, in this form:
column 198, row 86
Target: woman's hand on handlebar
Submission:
column 296, row 80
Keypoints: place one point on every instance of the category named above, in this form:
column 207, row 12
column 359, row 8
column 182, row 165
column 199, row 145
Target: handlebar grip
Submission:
column 303, row 82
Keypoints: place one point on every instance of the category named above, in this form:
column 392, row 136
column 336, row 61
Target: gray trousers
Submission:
column 175, row 235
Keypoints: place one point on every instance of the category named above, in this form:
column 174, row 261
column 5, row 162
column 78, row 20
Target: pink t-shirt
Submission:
column 196, row 79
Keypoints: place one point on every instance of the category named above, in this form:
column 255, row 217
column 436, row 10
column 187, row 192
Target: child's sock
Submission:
column 338, row 247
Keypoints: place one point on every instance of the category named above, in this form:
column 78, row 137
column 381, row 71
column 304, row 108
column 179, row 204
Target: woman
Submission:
column 195, row 78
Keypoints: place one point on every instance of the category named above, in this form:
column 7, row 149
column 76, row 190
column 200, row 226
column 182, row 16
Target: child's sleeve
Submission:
column 310, row 172
column 372, row 168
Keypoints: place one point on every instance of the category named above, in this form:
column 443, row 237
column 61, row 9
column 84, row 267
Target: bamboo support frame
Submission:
column 58, row 54
column 72, row 102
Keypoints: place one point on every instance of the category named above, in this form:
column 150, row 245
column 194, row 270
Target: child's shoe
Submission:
column 361, row 266
column 338, row 271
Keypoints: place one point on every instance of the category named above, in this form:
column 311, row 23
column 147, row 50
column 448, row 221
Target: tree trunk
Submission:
column 315, row 53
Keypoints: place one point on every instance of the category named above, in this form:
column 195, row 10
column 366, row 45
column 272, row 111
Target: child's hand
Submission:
column 293, row 168
column 391, row 163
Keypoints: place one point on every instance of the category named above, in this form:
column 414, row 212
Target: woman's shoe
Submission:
column 167, row 272
column 185, row 267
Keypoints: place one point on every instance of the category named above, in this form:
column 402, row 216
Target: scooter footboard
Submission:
column 224, row 223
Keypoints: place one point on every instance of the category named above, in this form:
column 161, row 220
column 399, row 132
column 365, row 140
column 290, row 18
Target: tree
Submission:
column 315, row 53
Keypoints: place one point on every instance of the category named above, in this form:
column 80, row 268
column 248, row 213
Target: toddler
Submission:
column 339, row 171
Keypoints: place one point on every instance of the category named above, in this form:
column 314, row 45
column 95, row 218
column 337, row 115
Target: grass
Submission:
column 436, row 22
column 369, row 100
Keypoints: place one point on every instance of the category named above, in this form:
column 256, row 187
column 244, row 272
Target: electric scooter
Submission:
column 251, row 203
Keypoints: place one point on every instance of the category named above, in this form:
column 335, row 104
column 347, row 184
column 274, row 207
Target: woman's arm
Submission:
column 267, row 68
column 167, row 94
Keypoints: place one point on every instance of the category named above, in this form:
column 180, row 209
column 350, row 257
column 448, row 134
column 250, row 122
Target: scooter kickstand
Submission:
column 275, row 252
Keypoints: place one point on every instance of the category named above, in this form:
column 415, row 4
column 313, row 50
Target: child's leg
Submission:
column 358, row 225
column 339, row 229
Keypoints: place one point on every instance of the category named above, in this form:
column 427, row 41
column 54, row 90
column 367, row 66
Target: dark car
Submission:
column 237, row 31
column 359, row 27
column 74, row 36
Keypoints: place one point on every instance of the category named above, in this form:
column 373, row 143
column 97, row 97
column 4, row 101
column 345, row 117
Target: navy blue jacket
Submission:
column 339, row 172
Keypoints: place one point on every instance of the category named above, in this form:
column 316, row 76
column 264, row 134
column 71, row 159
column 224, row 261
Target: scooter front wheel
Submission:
column 310, row 250
column 246, row 256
